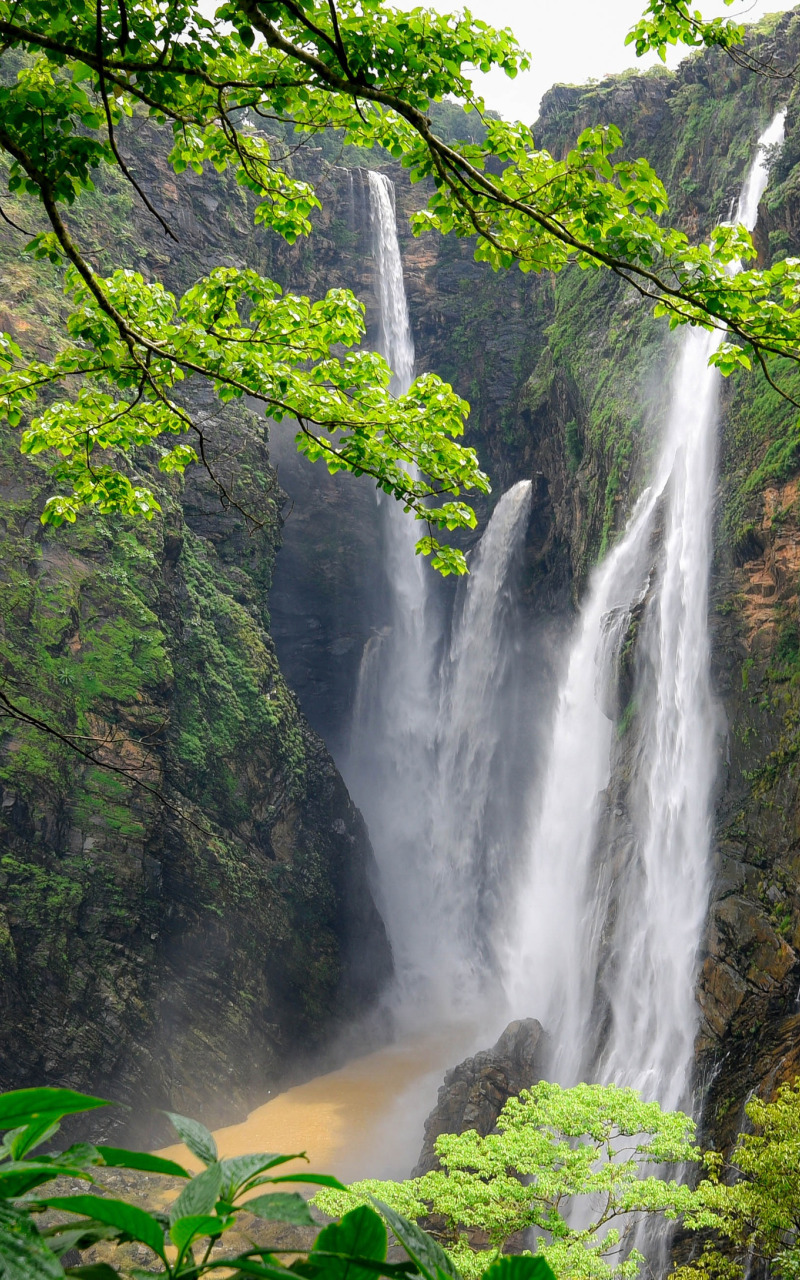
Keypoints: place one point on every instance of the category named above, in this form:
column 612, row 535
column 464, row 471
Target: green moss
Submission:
column 626, row 719
column 573, row 440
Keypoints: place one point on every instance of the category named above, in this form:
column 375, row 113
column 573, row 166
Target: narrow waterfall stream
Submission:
column 605, row 945
column 391, row 742
column 428, row 724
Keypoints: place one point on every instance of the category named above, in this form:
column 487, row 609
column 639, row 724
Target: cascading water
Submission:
column 611, row 915
column 552, row 957
column 391, row 736
column 427, row 720
column 468, row 832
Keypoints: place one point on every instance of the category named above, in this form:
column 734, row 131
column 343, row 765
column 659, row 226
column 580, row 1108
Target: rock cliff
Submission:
column 475, row 1091
column 191, row 940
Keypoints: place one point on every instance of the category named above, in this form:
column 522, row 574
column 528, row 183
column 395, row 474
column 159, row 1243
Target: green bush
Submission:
column 586, row 1155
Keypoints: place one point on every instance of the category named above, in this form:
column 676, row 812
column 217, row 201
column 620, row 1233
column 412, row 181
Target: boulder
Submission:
column 475, row 1092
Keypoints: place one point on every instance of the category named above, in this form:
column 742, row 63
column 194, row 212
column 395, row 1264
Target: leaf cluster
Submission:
column 183, row 1240
column 581, row 1167
column 671, row 22
column 751, row 1203
column 369, row 70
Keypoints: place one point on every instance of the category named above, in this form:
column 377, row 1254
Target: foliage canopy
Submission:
column 578, row 1166
column 751, row 1202
column 120, row 382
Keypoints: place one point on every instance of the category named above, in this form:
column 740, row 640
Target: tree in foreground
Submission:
column 582, row 1169
column 585, row 1168
column 751, row 1203
column 115, row 392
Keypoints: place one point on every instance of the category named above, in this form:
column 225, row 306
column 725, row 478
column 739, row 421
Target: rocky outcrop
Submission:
column 475, row 1092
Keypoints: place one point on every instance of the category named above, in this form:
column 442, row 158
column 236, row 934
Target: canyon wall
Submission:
column 191, row 941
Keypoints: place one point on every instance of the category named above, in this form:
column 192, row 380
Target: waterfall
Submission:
column 427, row 717
column 469, row 832
column 391, row 747
column 605, row 943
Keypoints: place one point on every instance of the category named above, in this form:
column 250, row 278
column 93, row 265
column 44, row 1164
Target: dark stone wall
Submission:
column 192, row 945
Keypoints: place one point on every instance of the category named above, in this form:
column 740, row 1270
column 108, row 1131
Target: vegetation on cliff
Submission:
column 131, row 344
column 234, row 884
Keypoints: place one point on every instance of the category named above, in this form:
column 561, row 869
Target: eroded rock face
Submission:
column 475, row 1092
column 187, row 946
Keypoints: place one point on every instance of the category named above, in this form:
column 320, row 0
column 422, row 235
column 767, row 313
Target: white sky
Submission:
column 573, row 40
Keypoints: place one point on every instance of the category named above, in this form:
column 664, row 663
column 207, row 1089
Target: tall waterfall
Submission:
column 427, row 718
column 604, row 950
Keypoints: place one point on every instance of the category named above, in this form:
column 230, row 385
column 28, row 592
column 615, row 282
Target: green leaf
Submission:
column 200, row 1224
column 32, row 1135
column 23, row 1253
column 119, row 1158
column 428, row 1255
column 26, row 1105
column 199, row 1196
column 315, row 1179
column 516, row 1268
column 19, row 1177
column 239, row 1170
column 81, row 1235
column 196, row 1136
column 128, row 1219
column 360, row 1232
column 281, row 1206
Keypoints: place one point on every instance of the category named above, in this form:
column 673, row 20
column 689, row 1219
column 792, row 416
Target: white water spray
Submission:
column 392, row 732
column 426, row 724
column 606, row 943
column 467, row 831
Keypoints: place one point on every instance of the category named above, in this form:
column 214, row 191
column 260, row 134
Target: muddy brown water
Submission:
column 364, row 1120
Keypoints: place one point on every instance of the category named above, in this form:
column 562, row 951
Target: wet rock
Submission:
column 475, row 1092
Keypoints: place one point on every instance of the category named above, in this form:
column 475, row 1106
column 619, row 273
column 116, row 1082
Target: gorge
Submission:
column 525, row 746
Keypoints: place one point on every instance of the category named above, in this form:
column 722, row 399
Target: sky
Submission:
column 573, row 40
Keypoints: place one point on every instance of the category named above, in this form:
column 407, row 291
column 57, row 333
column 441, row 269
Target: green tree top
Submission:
column 751, row 1202
column 118, row 383
column 581, row 1167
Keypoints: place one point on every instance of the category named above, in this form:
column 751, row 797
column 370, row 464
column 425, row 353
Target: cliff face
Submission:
column 189, row 943
column 698, row 128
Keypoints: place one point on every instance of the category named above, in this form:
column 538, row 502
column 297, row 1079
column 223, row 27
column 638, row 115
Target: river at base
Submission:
column 364, row 1120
